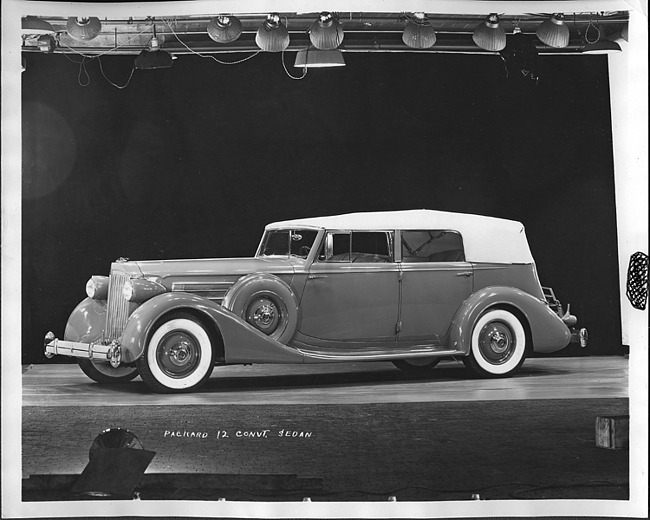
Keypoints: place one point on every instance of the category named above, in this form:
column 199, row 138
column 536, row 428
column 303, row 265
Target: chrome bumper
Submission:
column 579, row 336
column 111, row 353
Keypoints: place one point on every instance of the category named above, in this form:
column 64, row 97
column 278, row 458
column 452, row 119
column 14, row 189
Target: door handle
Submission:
column 315, row 277
column 465, row 273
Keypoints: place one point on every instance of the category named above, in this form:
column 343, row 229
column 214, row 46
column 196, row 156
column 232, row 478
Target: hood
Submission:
column 206, row 268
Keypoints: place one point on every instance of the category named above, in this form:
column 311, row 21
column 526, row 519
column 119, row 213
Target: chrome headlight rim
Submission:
column 128, row 290
column 97, row 287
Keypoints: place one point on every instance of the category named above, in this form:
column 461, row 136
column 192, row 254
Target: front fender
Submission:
column 548, row 332
column 242, row 342
column 86, row 322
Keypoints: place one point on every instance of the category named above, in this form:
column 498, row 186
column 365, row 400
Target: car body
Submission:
column 412, row 287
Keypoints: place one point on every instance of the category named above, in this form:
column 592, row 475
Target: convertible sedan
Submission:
column 412, row 287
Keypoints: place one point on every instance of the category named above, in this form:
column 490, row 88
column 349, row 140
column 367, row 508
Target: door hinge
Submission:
column 398, row 327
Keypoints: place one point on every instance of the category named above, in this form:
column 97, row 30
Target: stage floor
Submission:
column 366, row 431
column 340, row 383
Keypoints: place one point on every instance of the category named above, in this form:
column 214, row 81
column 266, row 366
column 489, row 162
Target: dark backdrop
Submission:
column 193, row 161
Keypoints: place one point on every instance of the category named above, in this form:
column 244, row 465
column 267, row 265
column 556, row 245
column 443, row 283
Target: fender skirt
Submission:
column 548, row 332
column 242, row 343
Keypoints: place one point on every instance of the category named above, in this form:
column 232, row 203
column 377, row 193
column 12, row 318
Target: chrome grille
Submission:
column 118, row 308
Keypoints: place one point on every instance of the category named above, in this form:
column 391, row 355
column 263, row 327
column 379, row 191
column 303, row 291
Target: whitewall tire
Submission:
column 178, row 356
column 498, row 344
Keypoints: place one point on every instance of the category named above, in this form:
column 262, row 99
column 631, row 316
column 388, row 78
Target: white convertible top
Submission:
column 486, row 239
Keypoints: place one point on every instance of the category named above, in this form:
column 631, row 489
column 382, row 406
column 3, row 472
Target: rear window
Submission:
column 434, row 245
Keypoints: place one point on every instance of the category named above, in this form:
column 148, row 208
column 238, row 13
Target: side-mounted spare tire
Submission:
column 265, row 302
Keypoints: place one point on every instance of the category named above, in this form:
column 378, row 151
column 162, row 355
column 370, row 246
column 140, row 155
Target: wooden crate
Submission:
column 613, row 432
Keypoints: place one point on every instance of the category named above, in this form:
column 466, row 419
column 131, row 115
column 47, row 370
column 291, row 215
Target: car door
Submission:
column 352, row 289
column 436, row 280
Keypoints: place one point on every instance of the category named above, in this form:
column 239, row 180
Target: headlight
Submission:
column 97, row 287
column 127, row 290
column 138, row 290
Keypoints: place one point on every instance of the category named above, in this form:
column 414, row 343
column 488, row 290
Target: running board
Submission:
column 378, row 355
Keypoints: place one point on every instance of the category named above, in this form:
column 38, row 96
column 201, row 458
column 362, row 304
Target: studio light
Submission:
column 154, row 57
column 418, row 33
column 272, row 36
column 224, row 28
column 46, row 43
column 326, row 33
column 602, row 46
column 317, row 58
column 33, row 25
column 83, row 29
column 490, row 36
column 117, row 462
column 554, row 32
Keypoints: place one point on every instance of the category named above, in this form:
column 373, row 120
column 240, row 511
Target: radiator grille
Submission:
column 118, row 308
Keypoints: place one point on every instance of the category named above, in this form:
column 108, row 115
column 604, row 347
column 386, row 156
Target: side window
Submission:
column 356, row 246
column 432, row 246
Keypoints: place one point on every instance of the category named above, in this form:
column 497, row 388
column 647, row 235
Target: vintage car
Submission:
column 411, row 287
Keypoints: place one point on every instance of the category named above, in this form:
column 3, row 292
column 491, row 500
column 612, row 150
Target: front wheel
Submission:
column 178, row 356
column 104, row 373
column 498, row 345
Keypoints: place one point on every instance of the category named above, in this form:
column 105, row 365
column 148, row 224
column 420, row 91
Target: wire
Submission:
column 304, row 70
column 112, row 49
column 101, row 68
column 201, row 55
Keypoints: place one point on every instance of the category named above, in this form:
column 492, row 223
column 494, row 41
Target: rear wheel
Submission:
column 104, row 373
column 178, row 356
column 417, row 364
column 498, row 344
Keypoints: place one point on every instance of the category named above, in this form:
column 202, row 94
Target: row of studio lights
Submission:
column 326, row 35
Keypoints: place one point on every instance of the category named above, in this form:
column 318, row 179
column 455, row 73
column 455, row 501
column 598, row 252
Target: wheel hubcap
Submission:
column 496, row 342
column 263, row 315
column 178, row 354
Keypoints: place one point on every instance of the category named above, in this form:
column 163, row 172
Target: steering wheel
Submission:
column 304, row 250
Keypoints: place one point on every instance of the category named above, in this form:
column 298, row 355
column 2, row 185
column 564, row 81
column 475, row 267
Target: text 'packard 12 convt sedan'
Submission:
column 411, row 287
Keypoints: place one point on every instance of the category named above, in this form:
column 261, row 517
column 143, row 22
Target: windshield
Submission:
column 288, row 242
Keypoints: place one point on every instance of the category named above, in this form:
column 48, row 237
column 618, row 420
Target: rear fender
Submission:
column 548, row 332
column 242, row 343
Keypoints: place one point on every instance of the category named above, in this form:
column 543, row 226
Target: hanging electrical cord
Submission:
column 83, row 71
column 168, row 23
column 284, row 65
column 101, row 68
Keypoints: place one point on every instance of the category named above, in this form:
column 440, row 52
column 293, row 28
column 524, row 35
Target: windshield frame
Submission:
column 293, row 231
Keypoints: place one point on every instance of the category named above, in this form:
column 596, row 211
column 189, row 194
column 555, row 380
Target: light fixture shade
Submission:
column 272, row 36
column 602, row 46
column 318, row 58
column 46, row 43
column 418, row 33
column 154, row 57
column 83, row 29
column 490, row 35
column 34, row 25
column 554, row 32
column 327, row 32
column 149, row 60
column 224, row 29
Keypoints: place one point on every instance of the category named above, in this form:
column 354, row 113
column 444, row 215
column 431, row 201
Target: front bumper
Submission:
column 111, row 352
